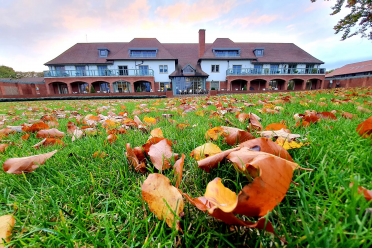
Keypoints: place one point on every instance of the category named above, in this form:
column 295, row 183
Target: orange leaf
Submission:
column 275, row 127
column 156, row 133
column 204, row 151
column 222, row 197
column 158, row 193
column 152, row 141
column 99, row 154
column 50, row 133
column 26, row 164
column 269, row 188
column 367, row 193
column 35, row 127
column 254, row 124
column 235, row 136
column 160, row 155
column 3, row 147
column 214, row 133
column 364, row 129
column 212, row 162
column 134, row 161
column 111, row 138
column 48, row 142
column 7, row 223
column 26, row 136
column 347, row 115
column 178, row 169
column 149, row 120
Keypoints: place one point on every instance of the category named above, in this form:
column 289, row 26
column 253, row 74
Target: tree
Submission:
column 7, row 72
column 92, row 90
column 330, row 71
column 360, row 18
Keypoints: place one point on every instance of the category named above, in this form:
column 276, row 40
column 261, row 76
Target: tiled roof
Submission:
column 186, row 53
column 273, row 52
column 359, row 67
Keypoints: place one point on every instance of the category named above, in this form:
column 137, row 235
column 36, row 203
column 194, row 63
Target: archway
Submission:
column 121, row 87
column 257, row 84
column 101, row 87
column 80, row 87
column 142, row 86
column 58, row 88
column 313, row 84
column 238, row 84
column 277, row 84
column 297, row 84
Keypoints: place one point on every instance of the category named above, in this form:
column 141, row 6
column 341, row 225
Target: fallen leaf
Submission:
column 48, row 142
column 3, row 147
column 99, row 154
column 134, row 161
column 280, row 133
column 156, row 133
column 26, row 136
column 35, row 127
column 50, row 133
column 364, row 129
column 212, row 162
column 26, row 164
column 254, row 124
column 111, row 139
column 367, row 193
column 214, row 133
column 363, row 110
column 178, row 169
column 149, row 120
column 275, row 127
column 222, row 197
column 161, row 154
column 159, row 194
column 204, row 151
column 235, row 136
column 7, row 223
column 347, row 115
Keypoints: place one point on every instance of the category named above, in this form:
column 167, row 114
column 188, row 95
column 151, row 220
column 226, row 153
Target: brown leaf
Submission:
column 280, row 133
column 235, row 136
column 158, row 193
column 26, row 136
column 364, row 129
column 222, row 197
column 152, row 141
column 111, row 139
column 5, row 132
column 275, row 127
column 327, row 115
column 99, row 154
column 363, row 110
column 212, row 162
column 50, row 133
column 214, row 133
column 272, row 177
column 48, row 142
column 268, row 146
column 367, row 193
column 26, row 164
column 160, row 155
column 134, row 161
column 254, row 124
column 156, row 133
column 204, row 151
column 347, row 115
column 242, row 117
column 35, row 127
column 7, row 223
column 178, row 169
column 3, row 147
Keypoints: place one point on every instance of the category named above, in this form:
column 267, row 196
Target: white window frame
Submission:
column 215, row 69
column 123, row 70
column 163, row 66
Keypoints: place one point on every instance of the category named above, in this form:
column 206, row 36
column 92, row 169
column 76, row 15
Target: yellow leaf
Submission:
column 290, row 145
column 204, row 151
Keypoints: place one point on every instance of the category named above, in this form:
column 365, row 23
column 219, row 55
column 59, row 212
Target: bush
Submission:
column 213, row 88
column 169, row 89
column 92, row 90
column 245, row 88
column 138, row 89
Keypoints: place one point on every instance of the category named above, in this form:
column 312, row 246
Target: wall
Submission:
column 206, row 66
column 350, row 82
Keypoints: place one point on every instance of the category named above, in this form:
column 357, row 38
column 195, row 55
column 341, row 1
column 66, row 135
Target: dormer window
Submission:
column 143, row 52
column 188, row 69
column 259, row 51
column 103, row 52
column 226, row 52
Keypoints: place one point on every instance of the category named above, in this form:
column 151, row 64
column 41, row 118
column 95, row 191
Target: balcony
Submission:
column 267, row 71
column 101, row 73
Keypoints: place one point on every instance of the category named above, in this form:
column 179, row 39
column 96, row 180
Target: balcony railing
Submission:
column 101, row 73
column 267, row 71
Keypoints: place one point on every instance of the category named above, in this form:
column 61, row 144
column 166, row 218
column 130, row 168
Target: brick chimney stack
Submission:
column 201, row 42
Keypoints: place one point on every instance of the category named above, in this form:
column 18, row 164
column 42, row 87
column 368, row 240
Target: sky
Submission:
column 34, row 32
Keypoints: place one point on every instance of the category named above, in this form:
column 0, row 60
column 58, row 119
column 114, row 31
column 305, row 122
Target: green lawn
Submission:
column 75, row 200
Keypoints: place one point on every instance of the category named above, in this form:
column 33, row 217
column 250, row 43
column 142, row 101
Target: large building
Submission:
column 351, row 75
column 146, row 65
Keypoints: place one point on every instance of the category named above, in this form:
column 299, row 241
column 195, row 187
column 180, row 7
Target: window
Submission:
column 80, row 70
column 163, row 68
column 102, row 51
column 259, row 51
column 187, row 85
column 102, row 70
column 121, row 87
column 143, row 53
column 292, row 68
column 164, row 86
column 143, row 70
column 257, row 69
column 60, row 71
column 237, row 69
column 215, row 68
column 226, row 53
column 123, row 70
column 274, row 69
column 188, row 69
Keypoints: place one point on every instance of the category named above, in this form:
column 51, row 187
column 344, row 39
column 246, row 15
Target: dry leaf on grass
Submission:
column 35, row 127
column 26, row 164
column 204, row 151
column 26, row 136
column 364, row 129
column 111, row 139
column 212, row 162
column 159, row 194
column 161, row 154
column 275, row 127
column 222, row 197
column 7, row 223
column 235, row 136
column 272, row 177
column 156, row 133
column 178, row 169
column 50, row 133
column 138, row 165
column 347, row 115
column 3, row 147
column 48, row 142
column 363, row 110
column 99, row 154
column 290, row 145
column 280, row 133
column 367, row 193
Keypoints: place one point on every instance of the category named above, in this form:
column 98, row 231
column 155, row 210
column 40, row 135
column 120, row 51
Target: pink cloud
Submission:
column 255, row 19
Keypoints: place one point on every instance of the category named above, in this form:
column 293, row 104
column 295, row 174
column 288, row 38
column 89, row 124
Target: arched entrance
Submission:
column 58, row 88
column 313, row 84
column 277, row 84
column 142, row 86
column 101, row 87
column 80, row 87
column 238, row 84
column 257, row 84
column 121, row 87
column 297, row 83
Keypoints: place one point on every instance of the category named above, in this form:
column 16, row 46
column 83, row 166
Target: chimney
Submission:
column 201, row 42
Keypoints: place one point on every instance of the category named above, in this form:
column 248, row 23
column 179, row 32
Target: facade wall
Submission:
column 351, row 82
column 20, row 89
column 206, row 66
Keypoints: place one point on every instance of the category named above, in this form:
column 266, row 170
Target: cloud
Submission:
column 254, row 18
